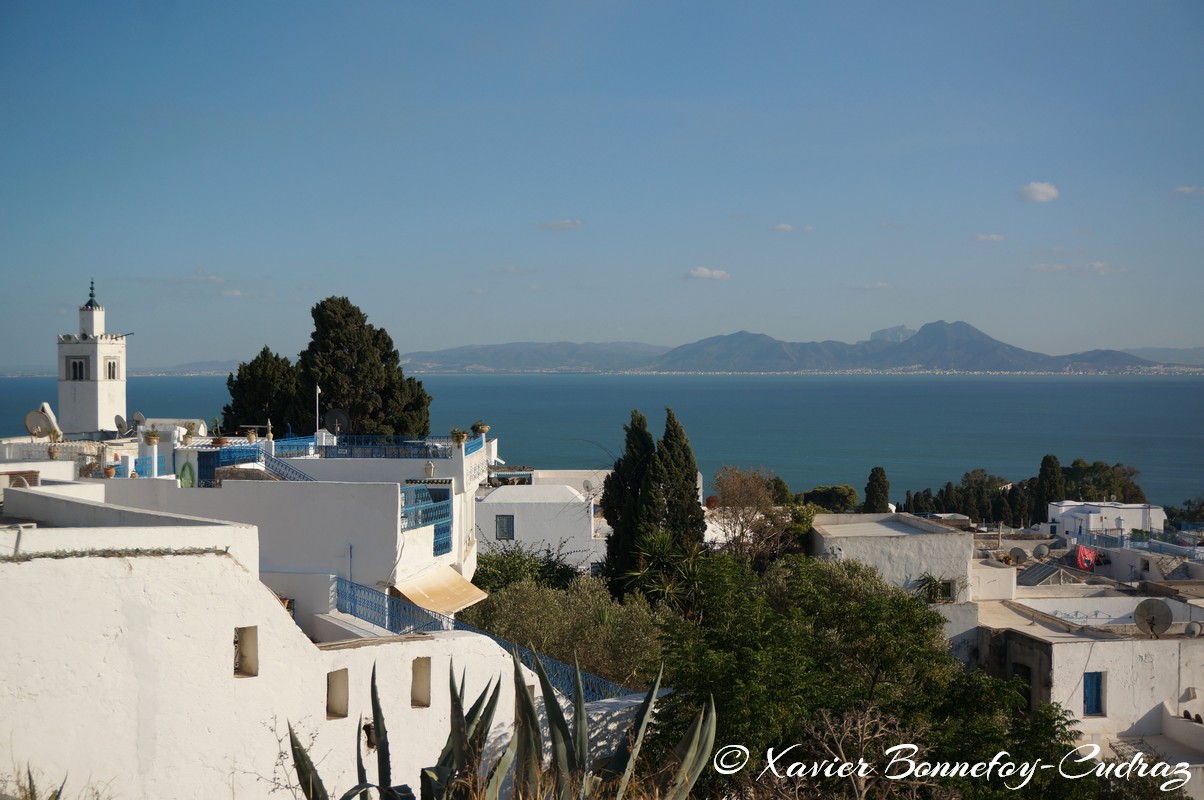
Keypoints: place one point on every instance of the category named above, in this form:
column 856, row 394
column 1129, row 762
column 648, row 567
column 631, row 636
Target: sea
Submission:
column 811, row 430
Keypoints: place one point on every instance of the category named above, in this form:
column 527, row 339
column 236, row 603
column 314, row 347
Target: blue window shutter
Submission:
column 1093, row 693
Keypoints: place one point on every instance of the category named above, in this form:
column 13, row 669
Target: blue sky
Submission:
column 483, row 172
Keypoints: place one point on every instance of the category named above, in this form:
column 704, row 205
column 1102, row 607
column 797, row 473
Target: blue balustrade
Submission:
column 473, row 445
column 142, row 465
column 295, row 446
column 443, row 539
column 403, row 617
column 419, row 509
column 283, row 469
column 360, row 446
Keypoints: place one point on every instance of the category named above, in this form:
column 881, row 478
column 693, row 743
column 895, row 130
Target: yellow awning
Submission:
column 440, row 589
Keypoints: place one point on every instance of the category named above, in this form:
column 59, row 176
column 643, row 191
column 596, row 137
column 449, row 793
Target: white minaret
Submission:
column 91, row 373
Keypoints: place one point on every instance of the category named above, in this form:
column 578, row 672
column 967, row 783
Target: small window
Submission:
column 595, row 568
column 336, row 694
column 504, row 526
column 1145, row 565
column 111, row 369
column 948, row 591
column 1093, row 694
column 246, row 651
column 420, row 683
column 77, row 369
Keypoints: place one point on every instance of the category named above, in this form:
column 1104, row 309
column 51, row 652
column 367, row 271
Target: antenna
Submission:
column 38, row 424
column 1040, row 551
column 1153, row 617
column 1018, row 554
column 139, row 419
column 337, row 421
column 588, row 486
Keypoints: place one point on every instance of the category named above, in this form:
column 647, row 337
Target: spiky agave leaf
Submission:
column 307, row 776
column 480, row 723
column 529, row 756
column 692, row 752
column 361, row 774
column 580, row 731
column 498, row 776
column 384, row 770
column 563, row 754
column 621, row 764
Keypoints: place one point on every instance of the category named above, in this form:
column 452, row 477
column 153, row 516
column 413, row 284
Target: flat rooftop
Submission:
column 878, row 525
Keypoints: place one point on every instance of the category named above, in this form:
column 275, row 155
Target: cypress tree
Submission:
column 877, row 492
column 359, row 370
column 621, row 502
column 263, row 388
column 1051, row 487
column 670, row 500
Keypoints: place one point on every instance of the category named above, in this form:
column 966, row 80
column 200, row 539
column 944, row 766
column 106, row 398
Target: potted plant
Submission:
column 252, row 435
column 111, row 468
column 479, row 428
column 151, row 437
column 189, row 432
column 53, row 449
column 459, row 436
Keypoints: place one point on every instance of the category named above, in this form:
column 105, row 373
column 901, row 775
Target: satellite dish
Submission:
column 1041, row 551
column 587, row 485
column 38, row 424
column 139, row 419
column 1153, row 617
column 1018, row 554
column 119, row 421
column 337, row 421
column 1193, row 629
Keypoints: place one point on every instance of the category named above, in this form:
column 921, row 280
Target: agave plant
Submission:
column 459, row 773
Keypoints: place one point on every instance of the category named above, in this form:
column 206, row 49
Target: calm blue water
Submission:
column 811, row 430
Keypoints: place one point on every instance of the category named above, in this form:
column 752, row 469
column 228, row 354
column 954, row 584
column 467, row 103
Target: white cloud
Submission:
column 560, row 225
column 1038, row 192
column 231, row 293
column 988, row 237
column 704, row 274
column 786, row 227
column 1083, row 270
column 197, row 276
column 1190, row 189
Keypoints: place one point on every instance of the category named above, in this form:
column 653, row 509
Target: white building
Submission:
column 91, row 370
column 177, row 670
column 554, row 517
column 1074, row 517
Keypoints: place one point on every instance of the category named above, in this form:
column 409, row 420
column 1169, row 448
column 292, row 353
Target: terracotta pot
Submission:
column 110, row 472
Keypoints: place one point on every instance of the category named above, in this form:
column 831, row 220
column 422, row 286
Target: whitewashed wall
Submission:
column 133, row 688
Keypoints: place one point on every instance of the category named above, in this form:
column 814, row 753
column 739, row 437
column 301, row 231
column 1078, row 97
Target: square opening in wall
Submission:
column 420, row 683
column 246, row 651
column 336, row 694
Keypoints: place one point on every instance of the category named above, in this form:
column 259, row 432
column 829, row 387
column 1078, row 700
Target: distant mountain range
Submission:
column 935, row 347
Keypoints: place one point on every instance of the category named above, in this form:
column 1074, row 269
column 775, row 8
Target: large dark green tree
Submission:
column 621, row 500
column 1050, row 487
column 877, row 492
column 359, row 370
column 670, row 500
column 264, row 388
column 357, row 367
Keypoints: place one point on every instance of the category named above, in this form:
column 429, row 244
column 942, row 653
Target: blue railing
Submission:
column 283, row 469
column 419, row 509
column 251, row 454
column 443, row 540
column 360, row 446
column 238, row 454
column 295, row 446
column 142, row 465
column 403, row 617
column 474, row 444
